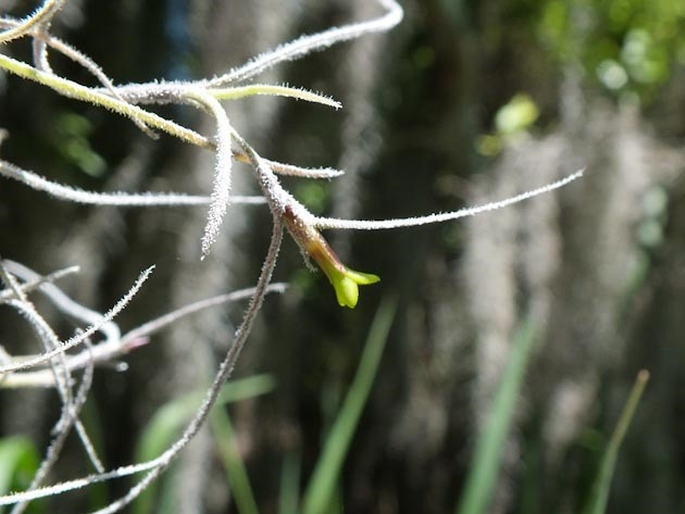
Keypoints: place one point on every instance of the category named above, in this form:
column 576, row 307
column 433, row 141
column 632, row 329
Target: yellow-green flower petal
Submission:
column 347, row 284
column 362, row 279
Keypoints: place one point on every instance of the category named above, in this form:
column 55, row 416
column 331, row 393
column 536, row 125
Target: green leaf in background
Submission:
column 236, row 473
column 289, row 492
column 19, row 461
column 71, row 134
column 167, row 423
column 517, row 115
column 511, row 121
column 629, row 45
column 602, row 484
column 323, row 485
column 489, row 450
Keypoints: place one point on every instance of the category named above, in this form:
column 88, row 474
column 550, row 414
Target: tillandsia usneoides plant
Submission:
column 101, row 340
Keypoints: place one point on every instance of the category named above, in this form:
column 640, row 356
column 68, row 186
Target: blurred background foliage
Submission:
column 465, row 102
column 629, row 46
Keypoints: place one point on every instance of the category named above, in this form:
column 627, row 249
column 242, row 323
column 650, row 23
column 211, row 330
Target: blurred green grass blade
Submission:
column 487, row 458
column 168, row 421
column 19, row 462
column 289, row 492
column 322, row 487
column 602, row 484
column 233, row 462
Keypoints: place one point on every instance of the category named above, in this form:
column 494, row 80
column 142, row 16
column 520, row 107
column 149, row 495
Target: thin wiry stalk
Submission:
column 45, row 334
column 69, row 415
column 313, row 42
column 58, row 367
column 62, row 377
column 157, row 324
column 40, row 49
column 80, row 483
column 150, row 199
column 31, row 285
column 42, row 14
column 170, row 92
column 235, row 93
column 108, row 350
column 11, row 282
column 56, row 445
column 224, row 372
column 295, row 171
column 79, row 338
column 221, row 188
column 118, row 199
column 65, row 304
column 71, row 408
column 158, row 465
column 241, row 335
column 79, row 402
column 277, row 197
column 333, row 223
column 165, row 92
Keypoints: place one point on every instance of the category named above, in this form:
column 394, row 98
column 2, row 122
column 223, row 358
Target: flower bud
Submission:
column 345, row 281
